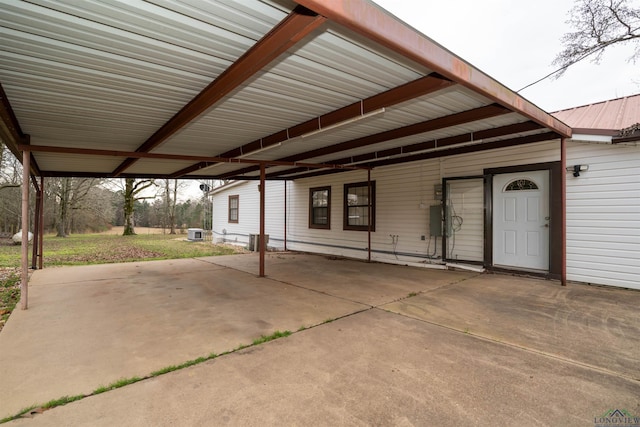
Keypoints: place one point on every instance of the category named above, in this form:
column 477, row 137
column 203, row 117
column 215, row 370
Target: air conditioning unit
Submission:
column 254, row 241
column 195, row 234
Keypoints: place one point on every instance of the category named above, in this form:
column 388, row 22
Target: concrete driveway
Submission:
column 409, row 346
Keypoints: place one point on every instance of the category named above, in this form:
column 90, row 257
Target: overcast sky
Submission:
column 515, row 41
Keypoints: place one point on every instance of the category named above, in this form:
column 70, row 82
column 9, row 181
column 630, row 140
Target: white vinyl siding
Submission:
column 403, row 195
column 249, row 213
column 603, row 215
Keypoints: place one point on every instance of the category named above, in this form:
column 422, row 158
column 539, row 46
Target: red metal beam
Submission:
column 263, row 243
column 439, row 143
column 414, row 89
column 139, row 155
column 547, row 136
column 409, row 130
column 11, row 132
column 36, row 229
column 24, row 282
column 376, row 24
column 285, row 216
column 427, row 145
column 296, row 26
column 41, row 223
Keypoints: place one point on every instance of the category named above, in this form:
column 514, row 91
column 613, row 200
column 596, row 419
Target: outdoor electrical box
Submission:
column 435, row 220
column 436, row 224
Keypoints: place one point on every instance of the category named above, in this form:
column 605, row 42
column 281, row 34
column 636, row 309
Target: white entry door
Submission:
column 521, row 220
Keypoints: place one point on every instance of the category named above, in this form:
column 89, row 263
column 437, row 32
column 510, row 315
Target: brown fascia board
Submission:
column 295, row 27
column 408, row 91
column 379, row 26
column 547, row 136
column 409, row 130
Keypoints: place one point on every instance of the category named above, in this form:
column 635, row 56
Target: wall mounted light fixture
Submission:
column 576, row 169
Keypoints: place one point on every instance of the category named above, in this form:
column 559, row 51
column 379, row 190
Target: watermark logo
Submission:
column 617, row 418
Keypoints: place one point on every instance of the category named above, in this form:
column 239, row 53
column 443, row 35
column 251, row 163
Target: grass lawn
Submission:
column 85, row 249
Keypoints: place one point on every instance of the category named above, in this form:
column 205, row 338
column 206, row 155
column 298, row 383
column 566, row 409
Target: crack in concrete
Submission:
column 518, row 346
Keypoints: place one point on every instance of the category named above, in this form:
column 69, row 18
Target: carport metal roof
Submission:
column 212, row 89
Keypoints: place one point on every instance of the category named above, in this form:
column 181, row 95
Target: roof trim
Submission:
column 600, row 132
column 145, row 155
column 378, row 25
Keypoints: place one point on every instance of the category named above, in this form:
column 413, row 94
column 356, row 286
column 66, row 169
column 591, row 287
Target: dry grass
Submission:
column 118, row 230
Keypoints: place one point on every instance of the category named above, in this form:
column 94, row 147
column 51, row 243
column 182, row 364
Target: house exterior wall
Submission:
column 603, row 210
column 249, row 213
column 603, row 215
column 403, row 195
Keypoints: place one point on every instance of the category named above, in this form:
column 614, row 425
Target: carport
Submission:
column 232, row 90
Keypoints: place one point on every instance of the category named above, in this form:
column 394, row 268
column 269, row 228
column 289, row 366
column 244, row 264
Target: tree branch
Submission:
column 3, row 186
column 598, row 26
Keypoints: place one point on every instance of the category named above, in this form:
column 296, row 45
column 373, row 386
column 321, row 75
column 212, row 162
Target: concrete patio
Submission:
column 409, row 347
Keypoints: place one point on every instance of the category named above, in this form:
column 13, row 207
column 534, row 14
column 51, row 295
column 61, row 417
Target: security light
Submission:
column 576, row 169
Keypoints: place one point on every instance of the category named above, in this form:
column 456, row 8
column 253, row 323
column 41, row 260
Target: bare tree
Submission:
column 10, row 184
column 70, row 194
column 133, row 191
column 599, row 24
column 171, row 187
